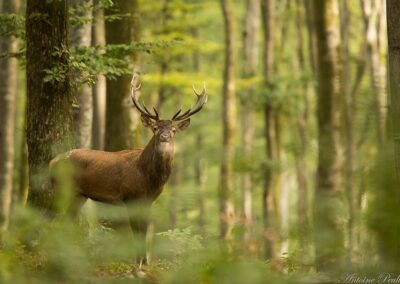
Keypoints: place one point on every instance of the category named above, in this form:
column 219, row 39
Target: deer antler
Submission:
column 201, row 100
column 142, row 109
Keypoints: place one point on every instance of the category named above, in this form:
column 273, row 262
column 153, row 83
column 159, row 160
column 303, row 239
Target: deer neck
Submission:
column 156, row 161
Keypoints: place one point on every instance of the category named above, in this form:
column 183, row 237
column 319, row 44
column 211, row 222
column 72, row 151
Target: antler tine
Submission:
column 202, row 92
column 176, row 114
column 142, row 109
column 201, row 100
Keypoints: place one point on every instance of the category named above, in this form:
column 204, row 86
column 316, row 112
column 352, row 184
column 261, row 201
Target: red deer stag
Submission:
column 131, row 176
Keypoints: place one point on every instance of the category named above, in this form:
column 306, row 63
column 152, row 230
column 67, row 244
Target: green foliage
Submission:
column 181, row 242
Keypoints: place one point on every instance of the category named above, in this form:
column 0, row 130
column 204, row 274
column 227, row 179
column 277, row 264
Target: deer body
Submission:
column 124, row 176
column 130, row 176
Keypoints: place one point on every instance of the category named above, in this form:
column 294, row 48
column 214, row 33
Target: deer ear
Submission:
column 147, row 122
column 183, row 124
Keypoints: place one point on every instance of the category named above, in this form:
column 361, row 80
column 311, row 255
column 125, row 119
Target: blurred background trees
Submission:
column 292, row 161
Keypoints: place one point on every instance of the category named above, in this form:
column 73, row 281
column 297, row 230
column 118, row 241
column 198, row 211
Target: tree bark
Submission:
column 301, row 150
column 348, row 128
column 328, row 205
column 8, row 94
column 393, row 24
column 119, row 133
column 312, row 41
column 229, row 123
column 373, row 12
column 271, row 128
column 250, row 57
column 201, row 178
column 99, row 88
column 49, row 102
column 81, row 36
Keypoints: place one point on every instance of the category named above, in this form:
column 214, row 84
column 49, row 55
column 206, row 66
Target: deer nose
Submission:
column 164, row 137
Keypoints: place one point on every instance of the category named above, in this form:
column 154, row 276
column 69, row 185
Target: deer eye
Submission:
column 173, row 129
column 155, row 128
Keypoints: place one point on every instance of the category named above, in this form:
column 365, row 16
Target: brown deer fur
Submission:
column 130, row 176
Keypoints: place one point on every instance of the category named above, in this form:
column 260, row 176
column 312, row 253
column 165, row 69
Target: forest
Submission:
column 199, row 141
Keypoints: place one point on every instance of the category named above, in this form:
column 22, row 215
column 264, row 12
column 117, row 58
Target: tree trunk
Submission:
column 200, row 165
column 389, row 236
column 229, row 123
column 348, row 118
column 373, row 12
column 271, row 128
column 312, row 41
column 393, row 24
column 99, row 88
column 301, row 150
column 250, row 57
column 119, row 132
column 81, row 36
column 8, row 94
column 328, row 205
column 201, row 178
column 49, row 113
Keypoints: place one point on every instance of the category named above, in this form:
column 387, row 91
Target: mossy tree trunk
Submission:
column 49, row 100
column 8, row 95
column 328, row 199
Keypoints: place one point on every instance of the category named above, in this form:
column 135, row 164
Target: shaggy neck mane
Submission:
column 156, row 164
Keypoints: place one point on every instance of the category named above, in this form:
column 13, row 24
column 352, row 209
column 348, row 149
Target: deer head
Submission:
column 165, row 130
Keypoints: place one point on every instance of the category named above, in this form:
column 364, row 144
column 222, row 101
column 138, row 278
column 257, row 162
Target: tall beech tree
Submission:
column 99, row 88
column 328, row 203
column 229, row 122
column 49, row 99
column 302, row 123
column 119, row 134
column 374, row 15
column 393, row 22
column 250, row 56
column 270, row 124
column 81, row 36
column 8, row 94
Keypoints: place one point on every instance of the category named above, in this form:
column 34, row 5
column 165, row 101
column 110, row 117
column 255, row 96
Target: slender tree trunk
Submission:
column 201, row 178
column 119, row 134
column 393, row 24
column 250, row 54
column 301, row 150
column 8, row 94
column 23, row 189
column 376, row 49
column 49, row 113
column 81, row 36
column 348, row 139
column 135, row 126
column 229, row 123
column 328, row 205
column 200, row 165
column 271, row 128
column 99, row 88
column 312, row 40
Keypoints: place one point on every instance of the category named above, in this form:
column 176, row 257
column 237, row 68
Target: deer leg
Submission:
column 138, row 220
column 76, row 205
